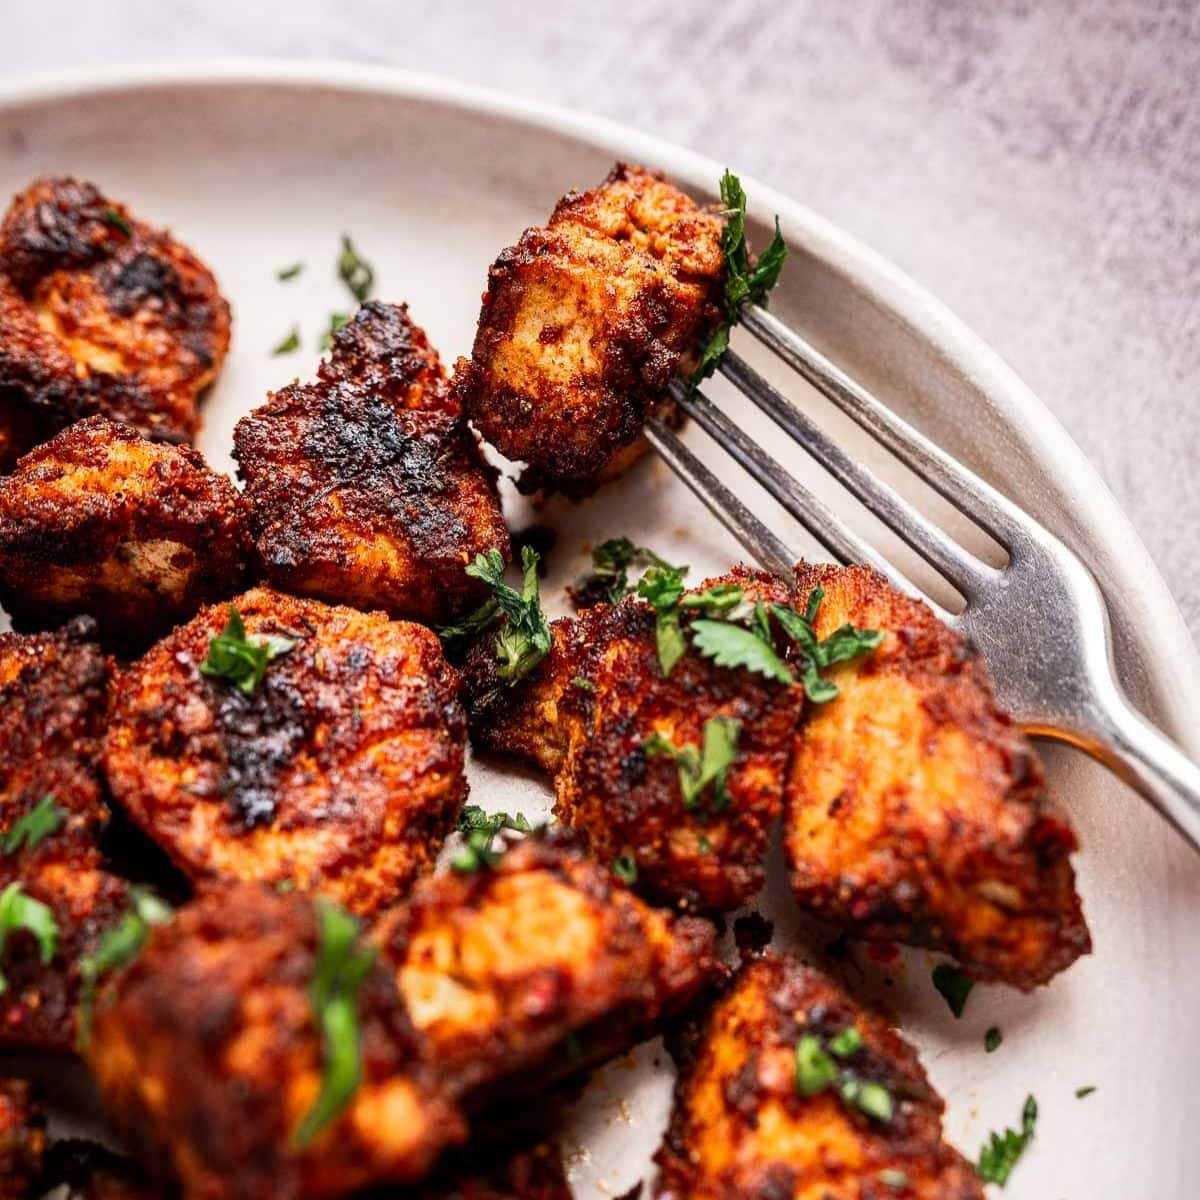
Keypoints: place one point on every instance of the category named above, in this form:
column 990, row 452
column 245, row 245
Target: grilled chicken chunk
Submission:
column 52, row 707
column 584, row 323
column 915, row 811
column 743, row 1126
column 366, row 487
column 138, row 534
column 100, row 313
column 588, row 715
column 22, row 1140
column 209, row 1059
column 341, row 771
column 531, row 970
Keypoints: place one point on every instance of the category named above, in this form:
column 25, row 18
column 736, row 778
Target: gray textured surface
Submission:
column 1036, row 166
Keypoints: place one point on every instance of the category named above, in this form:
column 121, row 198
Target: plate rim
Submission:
column 1172, row 666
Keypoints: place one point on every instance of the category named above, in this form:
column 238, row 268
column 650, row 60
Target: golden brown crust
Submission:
column 366, row 487
column 584, row 323
column 342, row 771
column 52, row 708
column 22, row 1140
column 135, row 533
column 741, row 1129
column 208, row 1059
column 100, row 313
column 585, row 716
column 531, row 970
column 916, row 811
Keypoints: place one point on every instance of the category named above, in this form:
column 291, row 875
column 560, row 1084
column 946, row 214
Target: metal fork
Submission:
column 1078, row 700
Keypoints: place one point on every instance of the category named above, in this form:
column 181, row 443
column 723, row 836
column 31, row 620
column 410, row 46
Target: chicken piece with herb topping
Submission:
column 915, row 810
column 585, row 322
column 135, row 533
column 100, row 313
column 225, row 1053
column 523, row 966
column 790, row 1090
column 288, row 740
column 22, row 1140
column 366, row 487
column 56, row 897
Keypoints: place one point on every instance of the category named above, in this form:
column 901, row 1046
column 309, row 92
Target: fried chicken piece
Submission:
column 915, row 810
column 342, row 771
column 523, row 973
column 100, row 313
column 741, row 1125
column 585, row 322
column 586, row 715
column 22, row 1140
column 367, row 487
column 208, row 1059
column 52, row 708
column 138, row 534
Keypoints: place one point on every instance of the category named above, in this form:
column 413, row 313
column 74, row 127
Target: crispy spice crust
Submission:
column 342, row 771
column 100, row 313
column 740, row 1128
column 22, row 1140
column 584, row 323
column 137, row 534
column 530, row 1173
column 533, row 970
column 591, row 737
column 52, row 707
column 208, row 1058
column 366, row 487
column 916, row 811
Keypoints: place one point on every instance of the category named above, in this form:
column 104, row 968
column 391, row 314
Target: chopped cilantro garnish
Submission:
column 114, row 217
column 1002, row 1151
column 355, row 272
column 1086, row 1090
column 868, row 1097
column 290, row 344
column 954, row 986
column 240, row 659
column 611, row 561
column 847, row 1043
column 662, row 588
column 43, row 819
column 992, row 1039
column 817, row 1071
column 480, row 829
column 336, row 321
column 705, row 767
column 340, row 968
column 20, row 911
column 584, row 685
column 743, row 283
column 730, row 645
column 286, row 273
column 816, row 654
column 624, row 867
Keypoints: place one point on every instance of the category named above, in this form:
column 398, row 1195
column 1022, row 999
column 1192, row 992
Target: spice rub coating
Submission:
column 584, row 323
column 531, row 970
column 741, row 1127
column 341, row 772
column 208, row 1059
column 586, row 714
column 100, row 313
column 136, row 533
column 916, row 811
column 366, row 487
column 22, row 1140
column 53, row 700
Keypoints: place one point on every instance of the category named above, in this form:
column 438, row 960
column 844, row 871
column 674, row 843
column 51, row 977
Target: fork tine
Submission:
column 960, row 567
column 963, row 488
column 768, row 550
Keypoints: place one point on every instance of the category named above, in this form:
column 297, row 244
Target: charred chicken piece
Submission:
column 530, row 970
column 915, row 810
column 595, row 712
column 52, row 707
column 528, row 1173
column 584, row 323
column 209, row 1058
column 82, row 1170
column 779, row 1098
column 138, row 534
column 22, row 1140
column 100, row 313
column 340, row 770
column 366, row 487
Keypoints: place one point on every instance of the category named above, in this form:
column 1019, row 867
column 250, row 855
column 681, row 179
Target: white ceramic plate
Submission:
column 258, row 165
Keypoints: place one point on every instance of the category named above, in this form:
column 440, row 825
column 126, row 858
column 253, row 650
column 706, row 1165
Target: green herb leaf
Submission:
column 525, row 639
column 847, row 1043
column 113, row 217
column 43, row 819
column 624, row 867
column 720, row 600
column 355, row 272
column 291, row 272
column 663, row 588
column 584, row 685
column 1002, row 1151
column 731, row 645
column 815, row 655
column 743, row 283
column 340, row 968
column 336, row 321
column 893, row 1178
column 871, row 1099
column 241, row 660
column 815, row 1070
column 992, row 1039
column 480, row 830
column 708, row 766
column 290, row 344
column 611, row 562
column 19, row 911
column 1082, row 1092
column 954, row 986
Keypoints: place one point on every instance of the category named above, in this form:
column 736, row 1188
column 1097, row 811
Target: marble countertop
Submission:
column 1035, row 166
